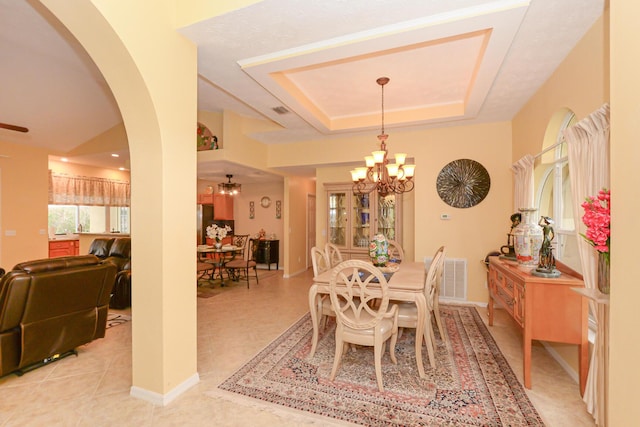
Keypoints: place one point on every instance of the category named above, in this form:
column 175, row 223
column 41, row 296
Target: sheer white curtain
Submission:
column 588, row 147
column 523, row 182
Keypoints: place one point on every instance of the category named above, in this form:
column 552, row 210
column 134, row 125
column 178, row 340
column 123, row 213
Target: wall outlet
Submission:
column 445, row 216
column 10, row 232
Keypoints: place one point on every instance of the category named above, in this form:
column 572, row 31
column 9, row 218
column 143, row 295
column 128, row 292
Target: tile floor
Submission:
column 93, row 389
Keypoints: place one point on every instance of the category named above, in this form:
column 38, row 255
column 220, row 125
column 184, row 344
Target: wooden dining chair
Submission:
column 396, row 253
column 357, row 321
column 408, row 311
column 320, row 264
column 333, row 254
column 442, row 252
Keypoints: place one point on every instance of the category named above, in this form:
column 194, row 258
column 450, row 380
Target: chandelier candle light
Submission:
column 386, row 178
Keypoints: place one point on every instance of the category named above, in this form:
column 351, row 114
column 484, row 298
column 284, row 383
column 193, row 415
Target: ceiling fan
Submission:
column 13, row 127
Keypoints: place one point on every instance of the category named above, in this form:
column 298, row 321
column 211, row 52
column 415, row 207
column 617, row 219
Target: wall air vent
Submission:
column 280, row 110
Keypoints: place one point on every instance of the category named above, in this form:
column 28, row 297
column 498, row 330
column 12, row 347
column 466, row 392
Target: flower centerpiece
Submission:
column 218, row 233
column 597, row 218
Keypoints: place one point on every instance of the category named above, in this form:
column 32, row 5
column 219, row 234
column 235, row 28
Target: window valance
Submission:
column 88, row 191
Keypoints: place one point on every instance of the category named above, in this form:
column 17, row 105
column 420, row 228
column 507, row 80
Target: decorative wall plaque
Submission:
column 463, row 183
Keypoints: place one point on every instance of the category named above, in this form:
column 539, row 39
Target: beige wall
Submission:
column 265, row 218
column 84, row 170
column 23, row 208
column 470, row 233
column 295, row 217
column 624, row 375
column 578, row 84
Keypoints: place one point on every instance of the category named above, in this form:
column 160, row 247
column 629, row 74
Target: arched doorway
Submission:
column 156, row 92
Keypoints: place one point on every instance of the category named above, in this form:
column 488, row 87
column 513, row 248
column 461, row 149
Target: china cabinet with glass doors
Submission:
column 353, row 218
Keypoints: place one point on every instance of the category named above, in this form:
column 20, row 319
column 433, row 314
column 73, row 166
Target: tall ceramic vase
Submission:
column 603, row 273
column 379, row 250
column 528, row 238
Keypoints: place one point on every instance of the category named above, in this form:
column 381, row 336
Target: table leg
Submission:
column 526, row 361
column 490, row 308
column 313, row 310
column 421, row 304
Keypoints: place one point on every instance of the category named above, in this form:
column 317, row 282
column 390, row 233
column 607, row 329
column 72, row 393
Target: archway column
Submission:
column 152, row 73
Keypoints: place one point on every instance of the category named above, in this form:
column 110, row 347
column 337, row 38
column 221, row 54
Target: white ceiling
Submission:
column 450, row 62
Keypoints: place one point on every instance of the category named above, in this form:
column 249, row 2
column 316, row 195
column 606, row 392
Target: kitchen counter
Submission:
column 59, row 237
column 105, row 234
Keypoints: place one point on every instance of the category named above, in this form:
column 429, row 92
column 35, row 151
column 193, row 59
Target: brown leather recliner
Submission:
column 101, row 246
column 49, row 307
column 116, row 251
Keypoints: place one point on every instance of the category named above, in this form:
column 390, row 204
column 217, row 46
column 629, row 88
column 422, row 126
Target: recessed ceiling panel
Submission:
column 441, row 68
column 438, row 82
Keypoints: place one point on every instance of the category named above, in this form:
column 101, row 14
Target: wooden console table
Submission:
column 545, row 309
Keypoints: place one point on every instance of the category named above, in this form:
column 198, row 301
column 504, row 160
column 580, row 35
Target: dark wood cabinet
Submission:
column 269, row 253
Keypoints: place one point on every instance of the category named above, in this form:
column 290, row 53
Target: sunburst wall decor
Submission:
column 463, row 183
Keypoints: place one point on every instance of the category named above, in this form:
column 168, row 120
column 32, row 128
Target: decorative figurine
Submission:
column 547, row 264
column 508, row 250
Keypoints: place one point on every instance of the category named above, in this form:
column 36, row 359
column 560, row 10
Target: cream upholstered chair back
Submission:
column 396, row 253
column 319, row 261
column 354, row 286
column 333, row 254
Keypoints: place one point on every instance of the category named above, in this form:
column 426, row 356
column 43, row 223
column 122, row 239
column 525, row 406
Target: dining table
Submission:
column 404, row 284
column 222, row 255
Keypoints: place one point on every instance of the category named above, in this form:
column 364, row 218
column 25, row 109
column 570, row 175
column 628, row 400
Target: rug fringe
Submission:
column 290, row 414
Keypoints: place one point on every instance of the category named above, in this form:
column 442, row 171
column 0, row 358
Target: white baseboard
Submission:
column 556, row 356
column 164, row 399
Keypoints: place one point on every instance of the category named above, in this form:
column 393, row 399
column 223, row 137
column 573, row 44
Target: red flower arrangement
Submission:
column 597, row 218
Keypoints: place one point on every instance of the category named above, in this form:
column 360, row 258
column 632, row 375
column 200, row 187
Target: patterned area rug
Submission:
column 472, row 385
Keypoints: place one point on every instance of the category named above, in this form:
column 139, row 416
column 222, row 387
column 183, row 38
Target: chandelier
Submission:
column 380, row 175
column 231, row 188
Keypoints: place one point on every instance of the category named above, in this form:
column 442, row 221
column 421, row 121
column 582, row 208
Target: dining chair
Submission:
column 333, row 254
column 319, row 261
column 357, row 321
column 205, row 269
column 396, row 253
column 239, row 268
column 408, row 312
column 442, row 251
column 320, row 264
column 239, row 240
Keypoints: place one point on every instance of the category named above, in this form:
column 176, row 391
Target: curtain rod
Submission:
column 549, row 148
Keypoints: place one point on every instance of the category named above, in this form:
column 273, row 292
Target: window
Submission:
column 88, row 204
column 93, row 219
column 554, row 191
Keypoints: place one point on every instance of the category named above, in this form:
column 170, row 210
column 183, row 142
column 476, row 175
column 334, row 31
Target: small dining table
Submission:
column 406, row 284
column 222, row 257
